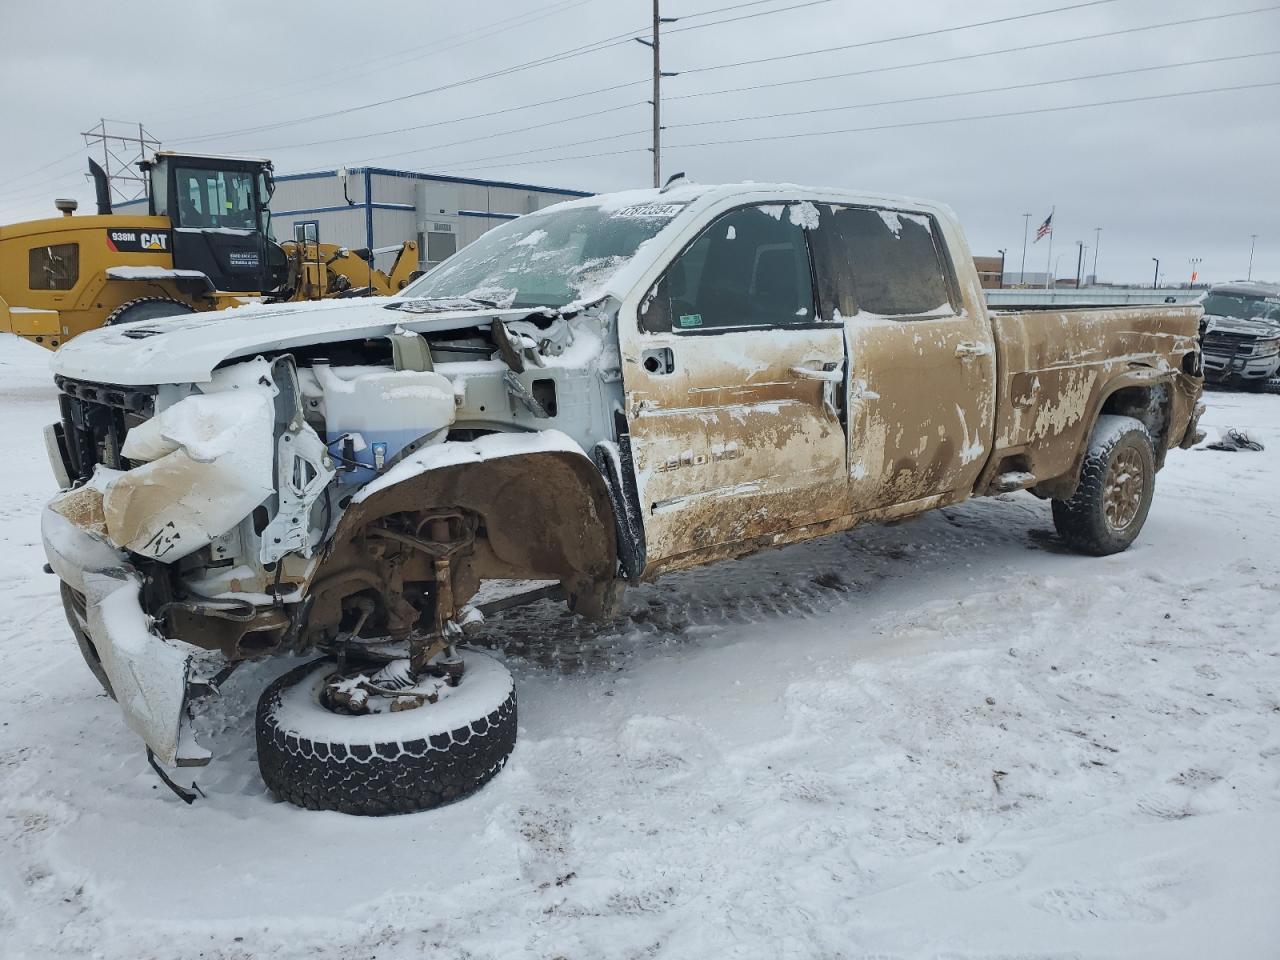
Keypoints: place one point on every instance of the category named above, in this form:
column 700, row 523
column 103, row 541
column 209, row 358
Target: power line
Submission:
column 463, row 165
column 46, row 166
column 969, row 93
column 752, row 87
column 767, row 13
column 581, row 50
column 408, row 55
column 819, row 110
column 958, row 58
column 855, row 106
column 503, row 133
column 617, row 40
column 456, row 119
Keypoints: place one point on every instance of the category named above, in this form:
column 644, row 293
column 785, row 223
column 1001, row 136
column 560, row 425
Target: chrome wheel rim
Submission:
column 1122, row 494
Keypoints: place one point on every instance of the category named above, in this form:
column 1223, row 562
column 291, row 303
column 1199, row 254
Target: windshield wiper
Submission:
column 441, row 304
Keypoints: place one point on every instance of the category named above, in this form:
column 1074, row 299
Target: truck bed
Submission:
column 1058, row 368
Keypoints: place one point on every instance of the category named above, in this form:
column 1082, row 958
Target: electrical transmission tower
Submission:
column 124, row 146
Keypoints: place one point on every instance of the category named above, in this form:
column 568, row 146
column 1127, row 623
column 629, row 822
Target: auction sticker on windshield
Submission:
column 651, row 210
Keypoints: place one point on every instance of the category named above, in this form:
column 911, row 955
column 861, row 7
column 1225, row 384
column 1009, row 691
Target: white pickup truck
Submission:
column 595, row 395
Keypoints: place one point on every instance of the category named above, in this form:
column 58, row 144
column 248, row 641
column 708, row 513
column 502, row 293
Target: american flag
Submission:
column 1046, row 228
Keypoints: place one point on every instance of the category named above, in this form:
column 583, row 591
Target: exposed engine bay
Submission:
column 328, row 495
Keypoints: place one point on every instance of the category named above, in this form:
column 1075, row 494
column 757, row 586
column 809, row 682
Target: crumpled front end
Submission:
column 151, row 675
column 312, row 501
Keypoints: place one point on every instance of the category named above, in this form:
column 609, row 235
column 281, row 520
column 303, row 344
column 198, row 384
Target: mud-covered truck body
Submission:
column 595, row 394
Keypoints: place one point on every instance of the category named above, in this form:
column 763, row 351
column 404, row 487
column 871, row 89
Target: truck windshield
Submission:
column 1242, row 308
column 546, row 259
column 215, row 198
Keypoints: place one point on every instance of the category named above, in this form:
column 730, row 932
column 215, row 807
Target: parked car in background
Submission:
column 1241, row 334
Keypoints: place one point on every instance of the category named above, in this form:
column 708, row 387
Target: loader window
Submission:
column 215, row 198
column 54, row 268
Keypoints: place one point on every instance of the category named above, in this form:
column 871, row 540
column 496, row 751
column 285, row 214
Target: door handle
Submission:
column 834, row 375
column 970, row 350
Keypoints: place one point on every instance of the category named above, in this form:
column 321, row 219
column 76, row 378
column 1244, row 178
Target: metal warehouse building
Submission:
column 376, row 207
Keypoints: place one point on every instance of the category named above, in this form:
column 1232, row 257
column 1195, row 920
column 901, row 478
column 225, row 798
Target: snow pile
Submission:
column 943, row 738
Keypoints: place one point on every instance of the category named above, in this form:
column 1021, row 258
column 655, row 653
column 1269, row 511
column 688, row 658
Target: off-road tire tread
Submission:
column 1081, row 521
column 403, row 777
column 116, row 316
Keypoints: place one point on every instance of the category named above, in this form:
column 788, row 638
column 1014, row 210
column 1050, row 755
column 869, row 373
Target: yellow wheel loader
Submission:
column 205, row 244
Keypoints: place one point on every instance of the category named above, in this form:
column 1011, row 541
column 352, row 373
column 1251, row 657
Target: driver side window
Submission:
column 749, row 268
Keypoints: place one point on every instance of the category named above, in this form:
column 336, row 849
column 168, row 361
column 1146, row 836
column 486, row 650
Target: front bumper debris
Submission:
column 151, row 675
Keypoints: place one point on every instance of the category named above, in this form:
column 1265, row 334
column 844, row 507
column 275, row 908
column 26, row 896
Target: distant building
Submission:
column 989, row 271
column 375, row 207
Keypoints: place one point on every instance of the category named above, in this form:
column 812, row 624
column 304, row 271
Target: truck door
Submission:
column 922, row 369
column 734, row 393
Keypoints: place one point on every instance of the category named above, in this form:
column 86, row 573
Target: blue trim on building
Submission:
column 368, row 209
column 402, row 207
column 439, row 178
column 491, row 215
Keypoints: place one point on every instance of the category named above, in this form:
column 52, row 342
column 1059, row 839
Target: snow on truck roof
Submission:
column 703, row 194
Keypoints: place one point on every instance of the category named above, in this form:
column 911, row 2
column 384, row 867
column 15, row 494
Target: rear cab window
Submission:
column 882, row 263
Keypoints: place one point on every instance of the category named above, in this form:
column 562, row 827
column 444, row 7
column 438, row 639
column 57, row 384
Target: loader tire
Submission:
column 146, row 308
column 388, row 763
column 1117, row 481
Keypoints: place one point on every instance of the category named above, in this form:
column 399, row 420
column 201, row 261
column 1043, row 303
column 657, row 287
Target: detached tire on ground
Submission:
column 1117, row 481
column 146, row 308
column 385, row 763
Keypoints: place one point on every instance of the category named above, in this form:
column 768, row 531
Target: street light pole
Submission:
column 1155, row 283
column 1022, row 274
column 1253, row 241
column 1195, row 269
column 1097, row 240
column 1002, row 254
column 1079, row 261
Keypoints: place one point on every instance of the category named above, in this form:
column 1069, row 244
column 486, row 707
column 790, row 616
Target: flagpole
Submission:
column 1048, row 263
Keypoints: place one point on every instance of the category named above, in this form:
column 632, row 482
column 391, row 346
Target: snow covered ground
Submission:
column 944, row 738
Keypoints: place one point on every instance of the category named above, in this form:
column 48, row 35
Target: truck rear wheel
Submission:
column 1117, row 481
column 388, row 762
column 146, row 308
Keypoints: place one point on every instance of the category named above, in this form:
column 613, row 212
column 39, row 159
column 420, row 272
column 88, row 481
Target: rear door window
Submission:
column 884, row 262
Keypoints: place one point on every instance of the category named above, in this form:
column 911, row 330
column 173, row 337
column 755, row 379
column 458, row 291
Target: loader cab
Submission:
column 221, row 222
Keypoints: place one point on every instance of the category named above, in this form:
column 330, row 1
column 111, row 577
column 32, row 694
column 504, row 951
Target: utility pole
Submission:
column 1155, row 283
column 1022, row 274
column 1097, row 240
column 655, row 44
column 1079, row 261
column 1253, row 241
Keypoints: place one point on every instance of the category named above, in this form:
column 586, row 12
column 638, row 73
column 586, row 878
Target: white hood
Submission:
column 188, row 348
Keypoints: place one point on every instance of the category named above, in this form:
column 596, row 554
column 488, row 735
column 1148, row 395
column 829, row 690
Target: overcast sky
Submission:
column 1174, row 178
